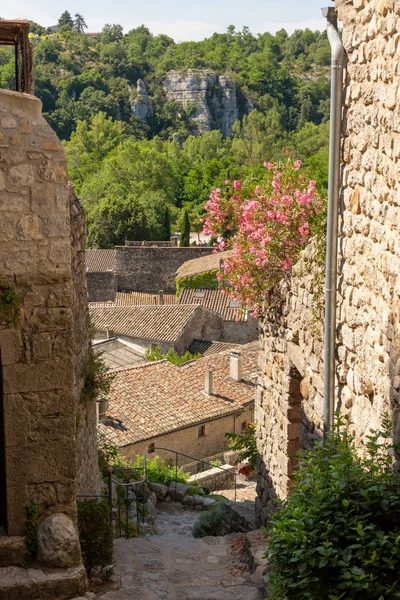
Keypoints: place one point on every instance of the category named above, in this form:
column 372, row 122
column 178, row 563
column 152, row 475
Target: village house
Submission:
column 187, row 408
column 237, row 326
column 116, row 352
column 168, row 327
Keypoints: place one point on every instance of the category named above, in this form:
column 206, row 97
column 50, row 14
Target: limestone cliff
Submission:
column 142, row 106
column 214, row 99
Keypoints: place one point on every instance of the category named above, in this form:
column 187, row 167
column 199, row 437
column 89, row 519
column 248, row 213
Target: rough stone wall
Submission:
column 242, row 332
column 101, row 286
column 86, row 431
column 203, row 325
column 289, row 406
column 152, row 269
column 37, row 352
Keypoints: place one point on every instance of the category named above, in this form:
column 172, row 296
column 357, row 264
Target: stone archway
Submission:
column 3, row 494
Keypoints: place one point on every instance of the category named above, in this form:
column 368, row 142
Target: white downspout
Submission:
column 337, row 53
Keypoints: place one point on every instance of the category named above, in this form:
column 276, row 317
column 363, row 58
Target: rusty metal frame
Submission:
column 15, row 33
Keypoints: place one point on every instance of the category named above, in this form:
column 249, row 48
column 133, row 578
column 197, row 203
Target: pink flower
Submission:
column 304, row 230
column 297, row 164
column 269, row 165
column 237, row 184
column 227, row 182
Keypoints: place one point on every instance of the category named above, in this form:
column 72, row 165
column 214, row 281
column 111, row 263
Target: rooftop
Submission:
column 156, row 398
column 215, row 300
column 99, row 261
column 211, row 262
column 118, row 353
column 204, row 347
column 160, row 323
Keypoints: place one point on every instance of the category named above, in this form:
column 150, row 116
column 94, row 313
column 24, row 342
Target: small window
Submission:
column 243, row 426
column 234, row 303
column 202, row 431
column 199, row 294
column 151, row 448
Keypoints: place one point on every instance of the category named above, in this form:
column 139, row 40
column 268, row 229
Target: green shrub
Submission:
column 195, row 490
column 96, row 535
column 171, row 356
column 31, row 538
column 209, row 522
column 247, row 443
column 338, row 534
column 158, row 471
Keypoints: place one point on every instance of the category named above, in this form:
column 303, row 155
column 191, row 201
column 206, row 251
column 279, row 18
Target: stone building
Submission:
column 136, row 269
column 181, row 408
column 45, row 457
column 167, row 327
column 289, row 404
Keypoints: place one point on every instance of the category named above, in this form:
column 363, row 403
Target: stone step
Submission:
column 12, row 550
column 17, row 583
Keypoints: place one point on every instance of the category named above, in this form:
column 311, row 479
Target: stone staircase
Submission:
column 172, row 565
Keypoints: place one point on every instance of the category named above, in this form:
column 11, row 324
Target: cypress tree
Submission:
column 185, row 230
column 166, row 225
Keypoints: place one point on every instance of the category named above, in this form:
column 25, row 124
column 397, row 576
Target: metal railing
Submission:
column 193, row 458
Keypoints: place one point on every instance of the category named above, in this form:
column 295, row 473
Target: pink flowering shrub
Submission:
column 266, row 221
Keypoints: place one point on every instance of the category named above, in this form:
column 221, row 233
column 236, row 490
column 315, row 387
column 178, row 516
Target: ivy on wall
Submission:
column 10, row 305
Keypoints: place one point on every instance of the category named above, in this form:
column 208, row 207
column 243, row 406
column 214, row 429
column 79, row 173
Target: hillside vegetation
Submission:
column 130, row 172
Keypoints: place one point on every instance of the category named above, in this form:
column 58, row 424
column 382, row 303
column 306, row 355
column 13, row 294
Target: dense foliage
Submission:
column 265, row 220
column 128, row 171
column 247, row 445
column 173, row 357
column 96, row 536
column 338, row 534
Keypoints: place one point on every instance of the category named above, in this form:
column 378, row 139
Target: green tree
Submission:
column 185, row 231
column 166, row 225
column 65, row 19
column 79, row 23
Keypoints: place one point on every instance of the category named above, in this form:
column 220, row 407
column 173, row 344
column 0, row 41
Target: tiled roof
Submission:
column 98, row 261
column 207, row 348
column 202, row 265
column 214, row 300
column 141, row 299
column 161, row 323
column 153, row 399
column 118, row 353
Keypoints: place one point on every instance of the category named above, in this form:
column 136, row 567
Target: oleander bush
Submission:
column 338, row 535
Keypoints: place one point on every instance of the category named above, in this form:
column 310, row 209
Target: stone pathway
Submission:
column 173, row 565
column 245, row 490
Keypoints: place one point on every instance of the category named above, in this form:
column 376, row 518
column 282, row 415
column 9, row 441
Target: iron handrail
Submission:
column 204, row 462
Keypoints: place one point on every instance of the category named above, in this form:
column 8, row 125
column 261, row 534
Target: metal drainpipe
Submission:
column 332, row 220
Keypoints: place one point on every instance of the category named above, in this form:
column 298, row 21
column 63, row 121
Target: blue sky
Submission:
column 181, row 19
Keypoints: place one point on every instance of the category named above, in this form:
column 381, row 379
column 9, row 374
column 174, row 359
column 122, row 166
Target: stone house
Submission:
column 133, row 268
column 289, row 405
column 45, row 457
column 237, row 327
column 187, row 409
column 166, row 326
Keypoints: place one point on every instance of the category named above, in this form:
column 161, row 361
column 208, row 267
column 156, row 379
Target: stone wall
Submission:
column 101, row 286
column 188, row 441
column 289, row 406
column 40, row 362
column 86, row 431
column 203, row 325
column 149, row 269
column 242, row 332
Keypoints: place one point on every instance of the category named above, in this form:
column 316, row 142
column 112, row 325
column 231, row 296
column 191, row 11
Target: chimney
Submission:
column 161, row 294
column 107, row 331
column 236, row 366
column 155, row 299
column 208, row 383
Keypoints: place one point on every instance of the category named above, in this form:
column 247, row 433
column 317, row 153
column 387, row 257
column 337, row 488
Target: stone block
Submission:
column 177, row 491
column 58, row 543
column 22, row 175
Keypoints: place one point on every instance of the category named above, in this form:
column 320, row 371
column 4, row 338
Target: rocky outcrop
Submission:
column 142, row 107
column 58, row 543
column 214, row 99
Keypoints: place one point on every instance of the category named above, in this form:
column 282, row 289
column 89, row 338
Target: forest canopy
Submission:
column 129, row 171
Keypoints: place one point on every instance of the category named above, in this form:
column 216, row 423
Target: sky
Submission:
column 180, row 19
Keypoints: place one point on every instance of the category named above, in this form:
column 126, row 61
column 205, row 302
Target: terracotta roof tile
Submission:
column 214, row 300
column 202, row 265
column 153, row 399
column 99, row 261
column 163, row 323
column 141, row 299
column 207, row 348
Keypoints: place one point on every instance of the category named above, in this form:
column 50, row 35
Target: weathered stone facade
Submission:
column 42, row 352
column 289, row 406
